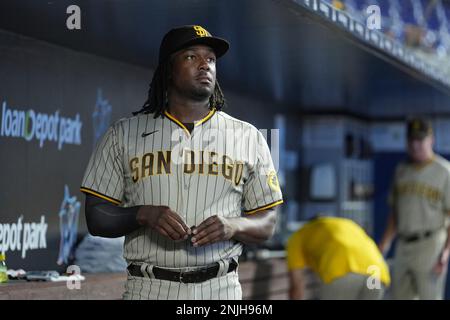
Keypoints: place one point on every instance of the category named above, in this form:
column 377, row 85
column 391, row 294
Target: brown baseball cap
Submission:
column 185, row 36
column 419, row 128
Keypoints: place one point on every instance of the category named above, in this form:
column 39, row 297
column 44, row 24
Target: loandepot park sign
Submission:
column 23, row 236
column 31, row 125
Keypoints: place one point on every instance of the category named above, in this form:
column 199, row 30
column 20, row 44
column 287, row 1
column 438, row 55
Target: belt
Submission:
column 417, row 236
column 196, row 276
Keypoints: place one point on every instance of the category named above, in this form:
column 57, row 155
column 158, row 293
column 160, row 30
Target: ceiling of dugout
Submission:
column 276, row 54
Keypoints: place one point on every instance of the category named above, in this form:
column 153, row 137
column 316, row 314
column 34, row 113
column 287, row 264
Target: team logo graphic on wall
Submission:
column 68, row 222
column 100, row 117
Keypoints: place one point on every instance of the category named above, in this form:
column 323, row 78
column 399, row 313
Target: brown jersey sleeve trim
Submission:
column 268, row 206
column 97, row 194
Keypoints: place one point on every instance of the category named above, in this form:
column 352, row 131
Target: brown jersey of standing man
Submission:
column 420, row 205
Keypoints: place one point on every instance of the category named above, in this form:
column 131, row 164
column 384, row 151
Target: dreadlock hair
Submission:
column 157, row 100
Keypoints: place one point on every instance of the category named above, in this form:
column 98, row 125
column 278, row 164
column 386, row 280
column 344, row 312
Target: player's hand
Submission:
column 164, row 220
column 442, row 262
column 213, row 229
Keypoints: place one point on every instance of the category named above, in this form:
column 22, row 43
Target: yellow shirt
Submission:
column 333, row 247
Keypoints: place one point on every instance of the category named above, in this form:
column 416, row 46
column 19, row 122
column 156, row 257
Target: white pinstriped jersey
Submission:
column 223, row 167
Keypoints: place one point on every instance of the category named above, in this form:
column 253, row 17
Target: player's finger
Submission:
column 211, row 229
column 162, row 231
column 173, row 234
column 207, row 231
column 205, row 224
column 176, row 225
column 208, row 239
column 180, row 220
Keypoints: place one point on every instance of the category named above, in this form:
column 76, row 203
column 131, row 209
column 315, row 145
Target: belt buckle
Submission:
column 183, row 275
column 180, row 277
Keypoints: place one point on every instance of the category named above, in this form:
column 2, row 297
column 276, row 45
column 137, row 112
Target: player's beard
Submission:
column 200, row 93
column 193, row 91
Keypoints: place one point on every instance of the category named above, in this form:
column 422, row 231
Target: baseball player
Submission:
column 186, row 183
column 342, row 255
column 420, row 204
